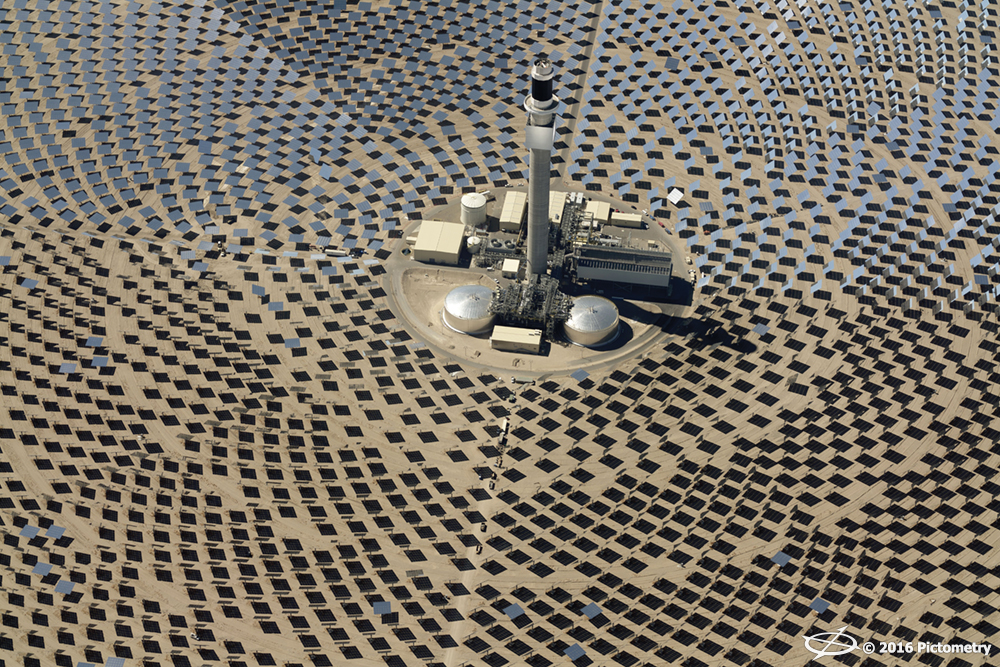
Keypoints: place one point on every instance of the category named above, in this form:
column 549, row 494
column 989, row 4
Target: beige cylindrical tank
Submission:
column 593, row 321
column 473, row 209
column 467, row 309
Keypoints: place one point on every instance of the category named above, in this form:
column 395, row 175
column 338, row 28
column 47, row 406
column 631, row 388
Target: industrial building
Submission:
column 557, row 201
column 516, row 339
column 624, row 265
column 599, row 211
column 511, row 268
column 622, row 219
column 439, row 242
column 512, row 213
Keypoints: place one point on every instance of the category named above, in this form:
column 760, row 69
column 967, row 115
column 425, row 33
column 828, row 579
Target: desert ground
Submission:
column 219, row 446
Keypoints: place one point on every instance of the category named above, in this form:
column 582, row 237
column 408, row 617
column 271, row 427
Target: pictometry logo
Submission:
column 831, row 643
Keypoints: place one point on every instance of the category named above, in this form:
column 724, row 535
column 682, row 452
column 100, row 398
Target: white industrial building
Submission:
column 557, row 201
column 622, row 219
column 600, row 211
column 510, row 268
column 516, row 339
column 512, row 213
column 439, row 242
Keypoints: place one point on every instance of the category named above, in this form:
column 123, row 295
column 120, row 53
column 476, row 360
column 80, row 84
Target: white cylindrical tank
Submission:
column 467, row 309
column 473, row 243
column 593, row 321
column 473, row 209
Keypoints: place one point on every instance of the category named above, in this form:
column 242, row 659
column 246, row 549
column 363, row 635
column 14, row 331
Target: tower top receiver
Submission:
column 542, row 73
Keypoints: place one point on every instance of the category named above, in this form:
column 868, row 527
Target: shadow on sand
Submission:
column 703, row 334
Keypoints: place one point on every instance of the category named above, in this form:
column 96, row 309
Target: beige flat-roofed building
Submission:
column 557, row 201
column 621, row 219
column 439, row 242
column 512, row 213
column 516, row 339
column 510, row 268
column 600, row 210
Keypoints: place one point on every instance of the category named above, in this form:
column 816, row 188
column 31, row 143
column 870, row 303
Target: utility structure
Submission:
column 559, row 250
column 539, row 133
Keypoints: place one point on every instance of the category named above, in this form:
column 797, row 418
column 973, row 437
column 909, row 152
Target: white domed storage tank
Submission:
column 593, row 321
column 473, row 209
column 467, row 309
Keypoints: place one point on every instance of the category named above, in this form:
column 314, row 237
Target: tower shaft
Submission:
column 540, row 105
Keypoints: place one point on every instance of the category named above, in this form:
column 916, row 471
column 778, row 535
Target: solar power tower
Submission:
column 541, row 106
